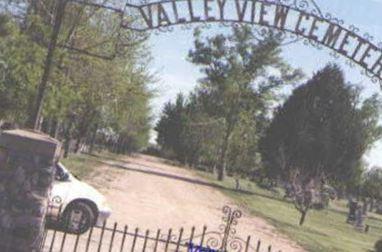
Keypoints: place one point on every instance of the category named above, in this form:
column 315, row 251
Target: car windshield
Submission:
column 61, row 173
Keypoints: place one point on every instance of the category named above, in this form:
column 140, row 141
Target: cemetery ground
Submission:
column 150, row 193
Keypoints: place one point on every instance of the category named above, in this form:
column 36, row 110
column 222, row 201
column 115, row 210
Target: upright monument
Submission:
column 26, row 175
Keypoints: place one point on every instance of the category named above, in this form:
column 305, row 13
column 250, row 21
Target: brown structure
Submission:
column 26, row 176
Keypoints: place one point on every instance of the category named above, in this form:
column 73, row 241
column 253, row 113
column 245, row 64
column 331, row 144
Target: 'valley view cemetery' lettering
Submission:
column 285, row 18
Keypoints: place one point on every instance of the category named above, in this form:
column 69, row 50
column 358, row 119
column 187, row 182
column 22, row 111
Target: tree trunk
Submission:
column 114, row 146
column 214, row 168
column 78, row 145
column 66, row 146
column 302, row 219
column 67, row 137
column 53, row 131
column 35, row 116
column 93, row 140
column 57, row 129
column 371, row 205
column 44, row 126
column 237, row 184
column 221, row 167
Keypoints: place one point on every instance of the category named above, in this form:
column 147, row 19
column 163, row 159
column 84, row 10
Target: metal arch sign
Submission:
column 291, row 16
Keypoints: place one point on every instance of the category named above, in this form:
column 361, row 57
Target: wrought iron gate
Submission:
column 115, row 238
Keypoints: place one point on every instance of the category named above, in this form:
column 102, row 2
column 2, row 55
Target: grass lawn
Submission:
column 83, row 166
column 323, row 231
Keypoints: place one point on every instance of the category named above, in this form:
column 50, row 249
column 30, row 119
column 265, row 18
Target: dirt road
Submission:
column 145, row 192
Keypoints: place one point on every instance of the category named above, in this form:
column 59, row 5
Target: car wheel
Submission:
column 78, row 218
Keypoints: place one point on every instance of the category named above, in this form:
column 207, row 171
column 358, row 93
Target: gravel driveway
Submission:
column 145, row 192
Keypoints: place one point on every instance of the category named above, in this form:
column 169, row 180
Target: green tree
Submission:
column 202, row 134
column 243, row 158
column 172, row 126
column 237, row 77
column 20, row 70
column 86, row 95
column 318, row 136
column 372, row 185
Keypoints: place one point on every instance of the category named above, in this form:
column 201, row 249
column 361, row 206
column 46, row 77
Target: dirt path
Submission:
column 145, row 192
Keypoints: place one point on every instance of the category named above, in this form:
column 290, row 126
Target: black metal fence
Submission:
column 116, row 238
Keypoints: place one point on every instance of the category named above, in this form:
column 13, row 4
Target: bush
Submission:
column 378, row 246
column 153, row 151
column 265, row 184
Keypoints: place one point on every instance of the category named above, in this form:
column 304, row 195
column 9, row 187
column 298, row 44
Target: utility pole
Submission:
column 35, row 116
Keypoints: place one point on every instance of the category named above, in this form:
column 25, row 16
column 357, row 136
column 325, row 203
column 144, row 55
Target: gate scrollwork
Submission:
column 225, row 238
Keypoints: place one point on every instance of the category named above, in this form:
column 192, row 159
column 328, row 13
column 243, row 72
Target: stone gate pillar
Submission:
column 26, row 176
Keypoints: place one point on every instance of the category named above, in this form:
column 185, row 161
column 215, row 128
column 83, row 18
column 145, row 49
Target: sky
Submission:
column 175, row 74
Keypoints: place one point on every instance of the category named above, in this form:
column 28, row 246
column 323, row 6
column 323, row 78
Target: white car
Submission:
column 81, row 206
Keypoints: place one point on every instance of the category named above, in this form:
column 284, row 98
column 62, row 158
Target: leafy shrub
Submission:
column 153, row 151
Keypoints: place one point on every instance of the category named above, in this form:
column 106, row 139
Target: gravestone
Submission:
column 353, row 206
column 26, row 175
column 360, row 218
